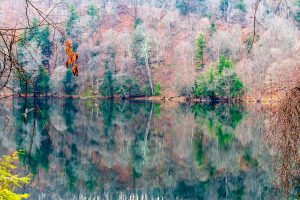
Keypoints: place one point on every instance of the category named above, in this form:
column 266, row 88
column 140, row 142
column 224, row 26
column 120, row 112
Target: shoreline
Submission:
column 174, row 99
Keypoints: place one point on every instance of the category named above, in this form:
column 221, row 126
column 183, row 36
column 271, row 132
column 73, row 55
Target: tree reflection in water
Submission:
column 121, row 149
column 32, row 136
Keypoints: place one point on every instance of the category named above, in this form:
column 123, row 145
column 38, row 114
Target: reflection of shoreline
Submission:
column 105, row 145
column 267, row 100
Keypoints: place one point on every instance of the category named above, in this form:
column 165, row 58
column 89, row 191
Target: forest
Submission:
column 203, row 49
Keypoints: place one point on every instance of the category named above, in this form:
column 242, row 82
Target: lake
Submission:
column 85, row 149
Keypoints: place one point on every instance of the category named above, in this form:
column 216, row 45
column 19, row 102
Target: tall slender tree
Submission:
column 200, row 45
column 72, row 20
column 69, row 83
column 93, row 13
column 297, row 13
column 46, row 46
column 42, row 83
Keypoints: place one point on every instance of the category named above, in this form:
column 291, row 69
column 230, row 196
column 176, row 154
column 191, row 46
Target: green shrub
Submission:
column 156, row 89
column 128, row 86
column 222, row 82
column 205, row 84
column 107, row 88
column 229, row 84
column 88, row 93
column 223, row 64
column 146, row 90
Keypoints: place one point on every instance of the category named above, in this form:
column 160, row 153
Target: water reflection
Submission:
column 117, row 150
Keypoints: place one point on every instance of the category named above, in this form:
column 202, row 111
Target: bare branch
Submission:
column 254, row 24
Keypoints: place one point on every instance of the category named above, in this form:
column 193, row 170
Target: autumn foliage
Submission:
column 285, row 139
column 72, row 57
column 9, row 181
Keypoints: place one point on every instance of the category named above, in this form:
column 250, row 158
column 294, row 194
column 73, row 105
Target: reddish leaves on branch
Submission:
column 72, row 57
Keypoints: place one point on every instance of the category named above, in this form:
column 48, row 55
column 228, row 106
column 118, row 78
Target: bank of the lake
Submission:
column 265, row 99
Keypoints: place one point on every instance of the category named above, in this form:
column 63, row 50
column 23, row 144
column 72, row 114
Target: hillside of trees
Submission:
column 138, row 48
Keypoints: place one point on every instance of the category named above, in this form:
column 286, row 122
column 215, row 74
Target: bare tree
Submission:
column 10, row 37
column 146, row 51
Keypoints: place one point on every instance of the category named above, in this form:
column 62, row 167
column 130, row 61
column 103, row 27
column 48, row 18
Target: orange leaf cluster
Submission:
column 72, row 57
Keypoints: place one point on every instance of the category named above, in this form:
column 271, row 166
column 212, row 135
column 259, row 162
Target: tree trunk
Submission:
column 148, row 69
column 149, row 75
column 135, row 9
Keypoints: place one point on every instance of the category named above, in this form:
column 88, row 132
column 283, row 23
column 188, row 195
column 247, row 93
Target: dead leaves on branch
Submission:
column 72, row 57
column 285, row 139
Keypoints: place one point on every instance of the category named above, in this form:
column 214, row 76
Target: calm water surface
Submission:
column 78, row 149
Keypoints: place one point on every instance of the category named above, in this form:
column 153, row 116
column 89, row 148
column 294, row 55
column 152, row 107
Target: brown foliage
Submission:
column 285, row 139
column 72, row 57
